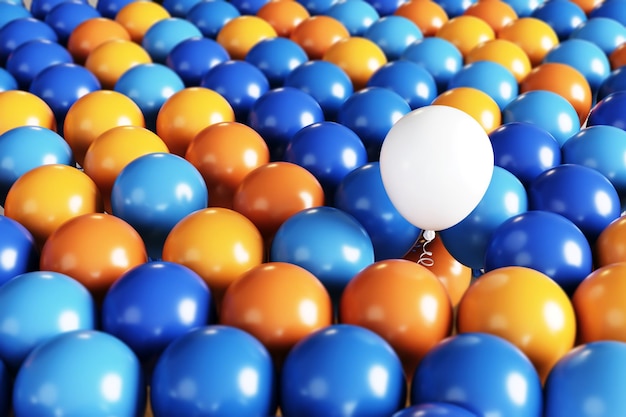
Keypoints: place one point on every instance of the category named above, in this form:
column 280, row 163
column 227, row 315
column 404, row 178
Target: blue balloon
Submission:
column 467, row 241
column 361, row 194
column 63, row 305
column 434, row 409
column 18, row 250
column 154, row 303
column 609, row 111
column 614, row 9
column 393, row 34
column 481, row 372
column 581, row 194
column 524, row 8
column 18, row 31
column 616, row 81
column 544, row 241
column 41, row 8
column 154, row 192
column 66, row 16
column 164, row 35
column 281, row 112
column 84, row 372
column 10, row 12
column 408, row 79
column 215, row 370
column 454, row 8
column 7, row 81
column 440, row 58
column 546, row 109
column 605, row 32
column 192, row 58
column 563, row 16
column 342, row 370
column 325, row 81
column 276, row 58
column 370, row 113
column 248, row 7
column 32, row 57
column 239, row 82
column 587, row 381
column 110, row 8
column 492, row 78
column 525, row 149
column 386, row 7
column 328, row 242
column 356, row 15
column 179, row 8
column 211, row 15
column 6, row 386
column 328, row 150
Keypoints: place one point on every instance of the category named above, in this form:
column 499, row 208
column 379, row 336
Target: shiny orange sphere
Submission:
column 224, row 153
column 278, row 303
column 93, row 114
column 92, row 33
column 241, row 33
column 403, row 302
column 359, row 57
column 273, row 192
column 318, row 33
column 465, row 32
column 474, row 102
column 94, row 249
column 138, row 16
column 21, row 108
column 525, row 307
column 611, row 243
column 618, row 56
column 283, row 15
column 185, row 113
column 111, row 59
column 587, row 5
column 427, row 15
column 47, row 196
column 495, row 13
column 503, row 52
column 219, row 244
column 533, row 35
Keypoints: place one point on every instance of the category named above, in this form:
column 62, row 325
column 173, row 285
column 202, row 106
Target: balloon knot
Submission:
column 425, row 258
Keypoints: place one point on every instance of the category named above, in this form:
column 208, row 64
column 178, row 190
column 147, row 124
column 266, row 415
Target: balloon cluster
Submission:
column 313, row 208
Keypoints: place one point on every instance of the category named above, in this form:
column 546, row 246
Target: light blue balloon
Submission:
column 165, row 34
column 393, row 34
column 356, row 15
column 492, row 78
column 441, row 58
column 605, row 32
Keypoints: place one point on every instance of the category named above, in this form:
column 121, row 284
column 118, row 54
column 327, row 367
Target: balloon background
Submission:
column 313, row 208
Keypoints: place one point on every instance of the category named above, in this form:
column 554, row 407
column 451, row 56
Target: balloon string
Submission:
column 425, row 258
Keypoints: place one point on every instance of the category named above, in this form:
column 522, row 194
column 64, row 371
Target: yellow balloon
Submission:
column 474, row 102
column 21, row 108
column 503, row 52
column 359, row 57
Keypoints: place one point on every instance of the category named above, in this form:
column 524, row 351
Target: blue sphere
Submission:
column 524, row 8
column 110, row 8
column 63, row 305
column 440, row 58
column 41, row 8
column 325, row 81
column 7, row 81
column 240, row 83
column 408, row 79
column 614, row 9
column 393, row 34
column 563, row 16
column 480, row 372
column 154, row 192
column 616, row 81
column 10, row 12
column 276, row 58
column 32, row 57
column 179, row 8
column 18, row 31
column 192, row 58
column 218, row 368
column 491, row 78
column 18, row 250
column 84, row 372
column 317, row 7
column 356, row 15
column 609, row 111
column 164, row 35
column 605, row 32
column 66, row 16
column 154, row 303
column 361, row 194
column 454, row 8
column 6, row 386
column 248, row 7
column 435, row 409
column 342, row 370
column 386, row 7
column 211, row 15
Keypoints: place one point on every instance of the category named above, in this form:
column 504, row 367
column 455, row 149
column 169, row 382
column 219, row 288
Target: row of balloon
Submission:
column 326, row 189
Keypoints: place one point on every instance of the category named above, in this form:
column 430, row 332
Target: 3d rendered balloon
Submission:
column 17, row 248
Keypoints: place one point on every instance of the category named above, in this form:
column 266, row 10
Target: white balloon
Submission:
column 436, row 163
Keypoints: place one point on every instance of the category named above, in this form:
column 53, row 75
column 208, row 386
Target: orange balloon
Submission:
column 109, row 60
column 273, row 192
column 611, row 243
column 465, row 32
column 219, row 244
column 618, row 57
column 427, row 15
column 115, row 148
column 564, row 80
column 241, row 33
column 600, row 304
column 454, row 276
column 587, row 5
column 45, row 197
column 318, row 33
column 503, row 52
column 283, row 15
column 185, row 113
column 496, row 13
column 94, row 249
column 403, row 302
column 92, row 33
column 525, row 307
column 224, row 153
column 138, row 16
column 93, row 114
column 359, row 57
column 21, row 108
column 278, row 303
column 533, row 35
column 474, row 102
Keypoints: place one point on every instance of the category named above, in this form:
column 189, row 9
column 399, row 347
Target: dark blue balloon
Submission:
column 214, row 370
column 17, row 250
column 524, row 8
column 153, row 304
column 41, row 8
column 10, row 12
column 32, row 57
column 325, row 81
column 326, row 241
column 18, row 31
column 109, row 8
column 440, row 58
column 563, row 16
column 281, row 112
column 410, row 80
column 614, row 82
column 492, row 78
column 342, row 370
column 544, row 241
column 329, row 151
column 211, row 16
column 239, row 82
column 525, row 149
column 454, row 8
column 434, row 410
column 386, row 7
column 7, row 81
column 192, row 58
column 481, row 372
column 66, row 16
column 393, row 34
column 6, row 386
column 609, row 111
column 614, row 9
column 370, row 113
column 248, row 7
column 317, row 7
column 276, row 58
column 587, row 381
column 356, row 15
column 467, row 241
column 164, row 35
column 362, row 195
column 179, row 8
column 605, row 32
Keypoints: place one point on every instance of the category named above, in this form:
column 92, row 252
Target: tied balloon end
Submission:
column 425, row 257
